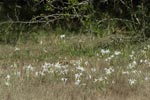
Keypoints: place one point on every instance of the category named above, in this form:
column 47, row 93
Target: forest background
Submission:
column 20, row 18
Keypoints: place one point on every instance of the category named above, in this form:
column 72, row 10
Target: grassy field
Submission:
column 75, row 67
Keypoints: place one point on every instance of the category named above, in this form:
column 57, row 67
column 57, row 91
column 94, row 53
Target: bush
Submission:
column 92, row 16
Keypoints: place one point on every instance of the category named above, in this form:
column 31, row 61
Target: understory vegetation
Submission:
column 74, row 50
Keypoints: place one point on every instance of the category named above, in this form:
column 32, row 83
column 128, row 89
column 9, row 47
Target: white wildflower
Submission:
column 134, row 71
column 62, row 36
column 7, row 83
column 132, row 65
column 93, row 69
column 131, row 56
column 105, row 78
column 141, row 61
column 89, row 76
column 41, row 42
column 86, row 63
column 105, row 51
column 106, row 59
column 80, row 68
column 125, row 72
column 58, row 65
column 133, row 52
column 146, row 78
column 132, row 81
column 108, row 71
column 30, row 67
column 17, row 73
column 97, row 54
column 8, row 77
column 112, row 56
column 117, row 53
column 95, row 80
column 113, row 82
column 17, row 49
column 78, row 75
column 145, row 61
column 99, row 79
column 78, row 62
column 134, row 62
column 36, row 74
column 77, row 82
column 41, row 73
column 64, row 80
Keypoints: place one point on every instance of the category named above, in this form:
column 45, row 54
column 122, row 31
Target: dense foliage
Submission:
column 90, row 15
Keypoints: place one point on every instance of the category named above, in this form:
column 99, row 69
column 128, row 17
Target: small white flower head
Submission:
column 41, row 73
column 134, row 71
column 65, row 71
column 146, row 78
column 112, row 56
column 80, row 68
column 14, row 65
column 78, row 62
column 105, row 78
column 41, row 42
column 99, row 79
column 117, row 53
column 36, row 74
column 108, row 59
column 93, row 69
column 131, row 56
column 78, row 75
column 132, row 81
column 77, row 82
column 108, row 71
column 105, row 51
column 62, row 36
column 145, row 48
column 134, row 62
column 7, row 83
column 58, row 65
column 141, row 61
column 17, row 49
column 89, row 76
column 8, row 77
column 125, row 73
column 133, row 52
column 97, row 54
column 64, row 80
column 29, row 68
column 86, row 63
column 95, row 80
column 17, row 73
column 113, row 82
column 132, row 65
column 145, row 61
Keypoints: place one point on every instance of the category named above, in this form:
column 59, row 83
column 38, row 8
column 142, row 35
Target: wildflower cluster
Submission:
column 84, row 72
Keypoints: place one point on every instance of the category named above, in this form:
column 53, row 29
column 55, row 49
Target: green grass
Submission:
column 94, row 67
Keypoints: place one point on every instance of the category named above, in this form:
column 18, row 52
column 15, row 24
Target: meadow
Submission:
column 75, row 67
